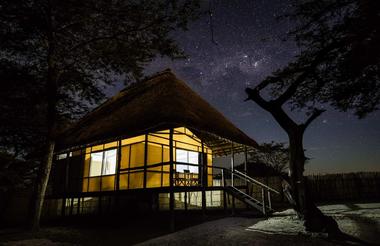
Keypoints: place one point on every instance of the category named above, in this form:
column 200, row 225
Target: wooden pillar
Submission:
column 263, row 201
column 204, row 181
column 71, row 205
column 232, row 164
column 232, row 175
column 118, row 165
column 66, row 184
column 117, row 185
column 224, row 192
column 245, row 168
column 245, row 160
column 171, row 181
column 79, row 205
column 185, row 200
column 63, row 206
column 145, row 159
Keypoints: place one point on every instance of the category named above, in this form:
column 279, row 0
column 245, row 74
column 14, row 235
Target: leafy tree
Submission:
column 275, row 156
column 21, row 124
column 338, row 65
column 67, row 51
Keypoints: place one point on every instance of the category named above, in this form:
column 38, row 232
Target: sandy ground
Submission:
column 357, row 220
column 361, row 221
column 231, row 231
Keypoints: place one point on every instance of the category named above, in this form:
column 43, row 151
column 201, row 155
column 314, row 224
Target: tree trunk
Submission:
column 314, row 219
column 40, row 186
column 296, row 192
column 51, row 120
column 296, row 169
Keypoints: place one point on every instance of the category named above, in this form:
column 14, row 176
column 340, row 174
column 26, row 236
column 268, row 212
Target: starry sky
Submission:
column 249, row 45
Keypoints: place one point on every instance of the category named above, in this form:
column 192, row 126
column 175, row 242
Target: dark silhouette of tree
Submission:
column 65, row 52
column 22, row 125
column 338, row 65
column 270, row 159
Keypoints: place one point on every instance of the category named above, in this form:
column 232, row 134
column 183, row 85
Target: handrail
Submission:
column 255, row 181
column 245, row 194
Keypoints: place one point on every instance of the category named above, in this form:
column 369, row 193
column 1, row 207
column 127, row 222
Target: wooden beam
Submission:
column 232, row 175
column 117, row 188
column 245, row 163
column 118, row 165
column 171, row 181
column 145, row 159
column 204, row 181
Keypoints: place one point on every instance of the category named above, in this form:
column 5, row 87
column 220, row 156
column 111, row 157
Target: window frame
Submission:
column 103, row 159
column 187, row 164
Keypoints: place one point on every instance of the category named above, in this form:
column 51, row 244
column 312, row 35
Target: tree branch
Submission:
column 305, row 72
column 254, row 95
column 274, row 109
column 115, row 35
column 316, row 113
column 291, row 90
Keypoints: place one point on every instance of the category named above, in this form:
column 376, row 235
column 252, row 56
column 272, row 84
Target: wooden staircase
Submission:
column 264, row 205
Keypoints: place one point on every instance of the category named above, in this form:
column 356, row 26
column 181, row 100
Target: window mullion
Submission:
column 103, row 157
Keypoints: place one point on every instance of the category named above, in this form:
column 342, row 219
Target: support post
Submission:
column 66, row 184
column 71, row 206
column 223, row 180
column 117, row 188
column 185, row 200
column 232, row 164
column 245, row 163
column 145, row 159
column 171, row 181
column 269, row 200
column 224, row 201
column 224, row 192
column 245, row 170
column 232, row 175
column 204, row 181
column 233, row 205
column 63, row 207
column 263, row 201
column 79, row 204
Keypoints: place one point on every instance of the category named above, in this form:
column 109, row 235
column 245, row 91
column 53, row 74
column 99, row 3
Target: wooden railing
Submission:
column 266, row 191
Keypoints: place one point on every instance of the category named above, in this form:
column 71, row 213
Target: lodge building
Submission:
column 151, row 147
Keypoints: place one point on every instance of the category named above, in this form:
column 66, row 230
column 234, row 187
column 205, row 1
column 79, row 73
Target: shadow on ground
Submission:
column 110, row 230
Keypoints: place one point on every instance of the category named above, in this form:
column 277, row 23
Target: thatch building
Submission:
column 150, row 146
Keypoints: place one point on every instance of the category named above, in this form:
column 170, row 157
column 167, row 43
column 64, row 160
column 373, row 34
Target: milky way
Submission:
column 250, row 46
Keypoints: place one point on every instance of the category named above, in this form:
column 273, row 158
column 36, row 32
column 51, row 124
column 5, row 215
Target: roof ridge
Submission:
column 145, row 79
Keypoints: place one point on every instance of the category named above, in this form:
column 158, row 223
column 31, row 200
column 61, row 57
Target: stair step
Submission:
column 247, row 199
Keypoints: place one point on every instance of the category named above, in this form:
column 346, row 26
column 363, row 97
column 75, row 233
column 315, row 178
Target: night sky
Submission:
column 249, row 47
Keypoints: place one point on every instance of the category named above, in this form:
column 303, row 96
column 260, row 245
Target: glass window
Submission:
column 186, row 156
column 181, row 168
column 193, row 157
column 181, row 155
column 62, row 156
column 103, row 163
column 96, row 164
column 109, row 165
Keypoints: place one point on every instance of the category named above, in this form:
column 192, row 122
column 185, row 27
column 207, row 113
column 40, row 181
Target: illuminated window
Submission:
column 103, row 163
column 186, row 156
column 62, row 156
column 96, row 164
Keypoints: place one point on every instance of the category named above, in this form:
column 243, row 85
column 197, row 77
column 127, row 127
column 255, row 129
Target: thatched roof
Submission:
column 159, row 102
